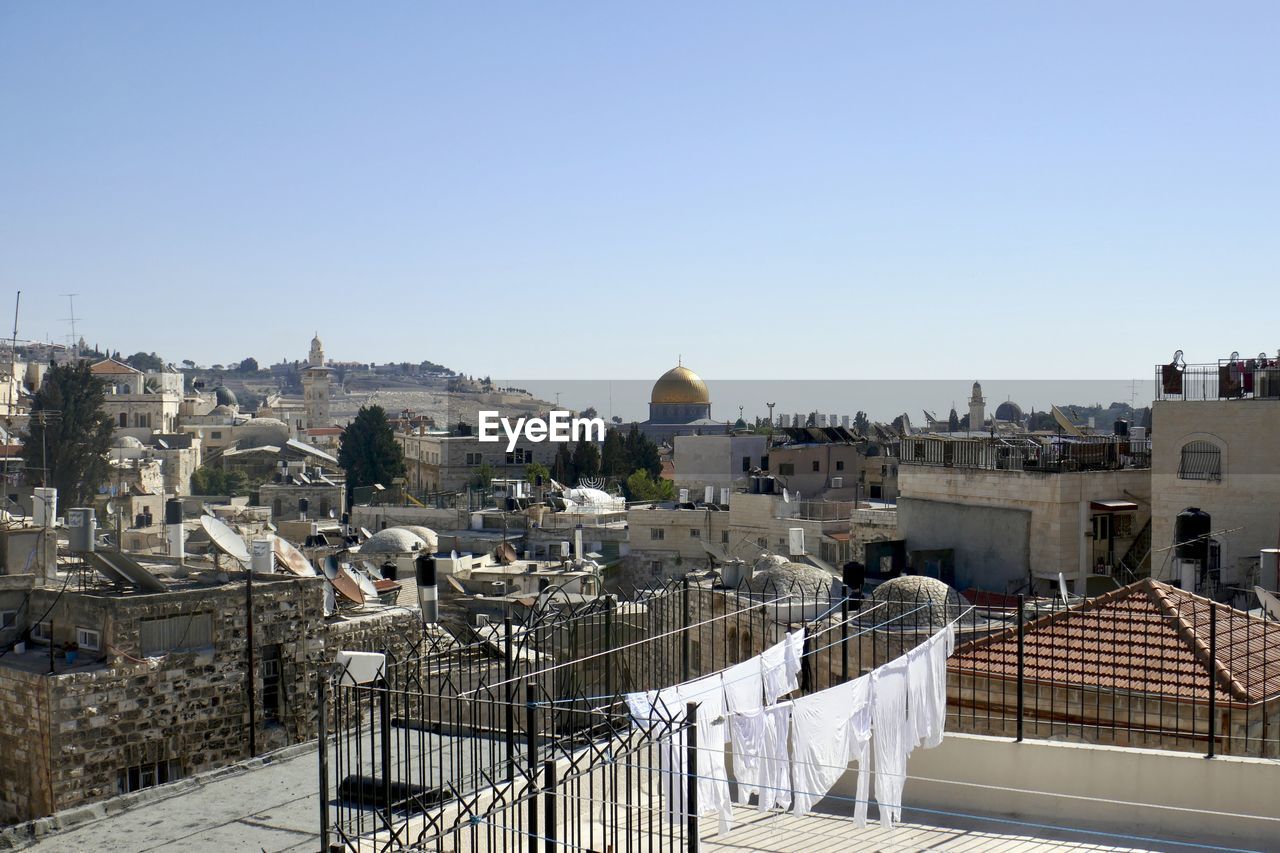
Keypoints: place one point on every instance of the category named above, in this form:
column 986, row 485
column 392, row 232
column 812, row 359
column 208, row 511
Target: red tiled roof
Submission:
column 111, row 367
column 324, row 431
column 1148, row 637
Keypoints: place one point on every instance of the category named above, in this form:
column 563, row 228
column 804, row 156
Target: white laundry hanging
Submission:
column 774, row 779
column 823, row 740
column 744, row 699
column 781, row 666
column 892, row 737
column 927, row 685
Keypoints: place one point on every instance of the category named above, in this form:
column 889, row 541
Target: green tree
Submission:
column 208, row 480
column 68, row 435
column 953, row 422
column 536, row 472
column 145, row 361
column 642, row 453
column 368, row 450
column 483, row 477
column 586, row 460
column 248, row 365
column 641, row 487
column 562, row 466
column 613, row 455
column 862, row 423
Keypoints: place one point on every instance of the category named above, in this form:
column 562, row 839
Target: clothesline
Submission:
column 617, row 697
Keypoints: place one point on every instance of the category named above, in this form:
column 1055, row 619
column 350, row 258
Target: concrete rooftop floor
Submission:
column 273, row 806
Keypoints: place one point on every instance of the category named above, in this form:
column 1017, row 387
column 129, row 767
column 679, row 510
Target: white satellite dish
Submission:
column 291, row 559
column 1270, row 604
column 453, row 555
column 225, row 539
column 331, row 567
column 786, row 496
column 366, row 586
column 1062, row 588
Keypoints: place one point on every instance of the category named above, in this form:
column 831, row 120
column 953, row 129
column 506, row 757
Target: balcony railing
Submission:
column 1228, row 379
column 1045, row 454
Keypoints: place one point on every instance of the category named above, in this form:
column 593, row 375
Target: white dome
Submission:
column 426, row 534
column 394, row 540
column 127, row 441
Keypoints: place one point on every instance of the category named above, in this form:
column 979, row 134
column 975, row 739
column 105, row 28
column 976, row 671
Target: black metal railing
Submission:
column 455, row 740
column 1044, row 454
column 1227, row 379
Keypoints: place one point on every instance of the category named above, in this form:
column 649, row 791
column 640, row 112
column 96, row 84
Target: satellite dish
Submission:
column 786, row 496
column 225, row 539
column 366, row 586
column 1270, row 604
column 1062, row 587
column 365, row 534
column 330, row 600
column 333, row 513
column 1063, row 421
column 346, row 585
column 331, row 567
column 453, row 555
column 291, row 559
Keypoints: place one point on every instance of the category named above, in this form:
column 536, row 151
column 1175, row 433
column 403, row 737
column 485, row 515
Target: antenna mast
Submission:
column 13, row 353
column 75, row 339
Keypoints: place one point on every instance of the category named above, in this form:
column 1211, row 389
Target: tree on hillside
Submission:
column 562, row 466
column 68, row 436
column 248, row 365
column 953, row 422
column 145, row 362
column 368, row 450
column 861, row 423
column 537, row 474
column 483, row 477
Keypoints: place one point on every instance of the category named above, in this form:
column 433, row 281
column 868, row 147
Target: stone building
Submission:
column 669, row 541
column 834, row 464
column 316, row 381
column 441, row 461
column 1007, row 512
column 139, row 403
column 1218, row 449
column 718, row 461
column 158, row 689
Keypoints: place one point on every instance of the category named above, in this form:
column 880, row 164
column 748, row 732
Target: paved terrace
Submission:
column 271, row 804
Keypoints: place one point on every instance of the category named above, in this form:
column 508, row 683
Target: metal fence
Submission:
column 468, row 747
column 1228, row 379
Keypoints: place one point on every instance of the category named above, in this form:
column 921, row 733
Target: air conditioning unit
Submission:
column 837, row 482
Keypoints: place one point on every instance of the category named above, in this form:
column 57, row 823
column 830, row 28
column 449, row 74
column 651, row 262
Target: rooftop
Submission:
column 1234, row 378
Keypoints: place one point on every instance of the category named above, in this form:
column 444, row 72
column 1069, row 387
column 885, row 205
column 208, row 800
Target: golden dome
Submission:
column 679, row 385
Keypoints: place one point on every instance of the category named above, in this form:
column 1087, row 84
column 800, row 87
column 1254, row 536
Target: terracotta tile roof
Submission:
column 1148, row 637
column 111, row 367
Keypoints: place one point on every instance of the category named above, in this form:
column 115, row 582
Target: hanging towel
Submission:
column 744, row 699
column 781, row 664
column 713, row 776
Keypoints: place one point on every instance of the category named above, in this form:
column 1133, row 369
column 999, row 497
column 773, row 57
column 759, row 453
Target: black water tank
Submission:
column 173, row 512
column 854, row 575
column 1122, row 427
column 1191, row 533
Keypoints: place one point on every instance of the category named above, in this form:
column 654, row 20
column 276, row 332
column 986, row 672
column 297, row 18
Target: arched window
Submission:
column 1201, row 460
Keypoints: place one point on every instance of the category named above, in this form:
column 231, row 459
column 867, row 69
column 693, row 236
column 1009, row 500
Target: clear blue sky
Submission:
column 932, row 189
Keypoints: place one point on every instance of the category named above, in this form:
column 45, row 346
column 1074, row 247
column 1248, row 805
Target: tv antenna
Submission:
column 75, row 339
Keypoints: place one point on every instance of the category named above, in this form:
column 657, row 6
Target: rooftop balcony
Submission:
column 1235, row 378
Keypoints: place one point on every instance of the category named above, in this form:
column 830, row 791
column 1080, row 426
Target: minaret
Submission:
column 977, row 409
column 315, row 387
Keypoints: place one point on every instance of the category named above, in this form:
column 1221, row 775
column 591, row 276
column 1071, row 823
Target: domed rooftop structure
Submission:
column 913, row 601
column 777, row 574
column 126, row 441
column 426, row 534
column 394, row 540
column 222, row 410
column 224, row 396
column 1008, row 411
column 257, row 432
column 679, row 386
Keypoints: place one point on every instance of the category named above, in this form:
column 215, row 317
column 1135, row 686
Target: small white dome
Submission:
column 394, row 540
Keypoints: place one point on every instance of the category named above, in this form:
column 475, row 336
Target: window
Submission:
column 173, row 633
column 8, row 618
column 724, row 536
column 746, row 464
column 786, row 469
column 655, row 565
column 695, row 533
column 217, row 433
column 124, row 419
column 1201, row 460
column 147, row 776
column 762, row 542
column 41, row 632
column 817, row 466
column 657, row 533
column 271, row 692
column 473, row 458
column 839, row 464
column 88, row 639
column 520, row 457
